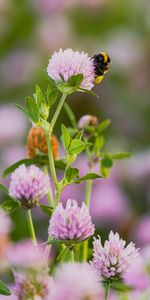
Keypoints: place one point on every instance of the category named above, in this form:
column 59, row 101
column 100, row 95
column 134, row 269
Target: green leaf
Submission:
column 106, row 162
column 65, row 88
column 120, row 155
column 52, row 241
column 90, row 176
column 23, row 110
column 52, row 93
column 105, row 172
column 120, row 286
column 38, row 96
column 75, row 80
column 4, row 189
column 103, row 125
column 88, row 92
column 60, row 164
column 32, row 109
column 46, row 209
column 4, row 290
column 71, row 174
column 10, row 206
column 76, row 146
column 79, row 135
column 99, row 142
column 39, row 160
column 65, row 138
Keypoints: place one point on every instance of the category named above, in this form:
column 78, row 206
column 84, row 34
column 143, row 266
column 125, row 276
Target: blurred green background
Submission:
column 31, row 30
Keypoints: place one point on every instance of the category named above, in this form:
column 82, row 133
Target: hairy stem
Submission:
column 57, row 111
column 107, row 291
column 51, row 159
column 49, row 194
column 31, row 228
column 87, row 202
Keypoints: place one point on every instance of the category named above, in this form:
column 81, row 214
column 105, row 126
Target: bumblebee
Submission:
column 101, row 65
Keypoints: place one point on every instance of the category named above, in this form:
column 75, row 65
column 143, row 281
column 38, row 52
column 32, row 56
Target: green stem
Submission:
column 58, row 193
column 49, row 194
column 107, row 291
column 31, row 228
column 87, row 202
column 88, row 192
column 58, row 109
column 72, row 256
column 70, row 115
column 51, row 159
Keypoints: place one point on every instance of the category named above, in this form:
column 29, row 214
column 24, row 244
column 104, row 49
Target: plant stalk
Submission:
column 107, row 291
column 87, row 202
column 31, row 228
column 58, row 109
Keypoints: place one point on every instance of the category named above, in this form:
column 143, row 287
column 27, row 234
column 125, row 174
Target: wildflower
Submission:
column 33, row 285
column 71, row 223
column 36, row 140
column 114, row 258
column 77, row 281
column 63, row 64
column 23, row 254
column 29, row 185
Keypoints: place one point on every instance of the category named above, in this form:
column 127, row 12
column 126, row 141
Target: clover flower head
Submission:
column 31, row 285
column 77, row 281
column 64, row 64
column 71, row 223
column 29, row 185
column 114, row 258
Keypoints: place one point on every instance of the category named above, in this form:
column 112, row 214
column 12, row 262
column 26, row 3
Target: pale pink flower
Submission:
column 23, row 254
column 67, row 63
column 33, row 285
column 114, row 258
column 76, row 281
column 71, row 222
column 29, row 185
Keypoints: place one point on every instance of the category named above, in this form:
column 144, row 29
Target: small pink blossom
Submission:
column 67, row 63
column 29, row 185
column 76, row 281
column 114, row 258
column 71, row 223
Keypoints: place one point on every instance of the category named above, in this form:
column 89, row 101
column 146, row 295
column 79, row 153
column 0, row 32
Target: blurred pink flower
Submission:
column 71, row 223
column 23, row 254
column 13, row 124
column 33, row 285
column 136, row 275
column 48, row 7
column 124, row 48
column 50, row 36
column 18, row 67
column 141, row 232
column 108, row 203
column 67, row 63
column 12, row 154
column 114, row 258
column 77, row 281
